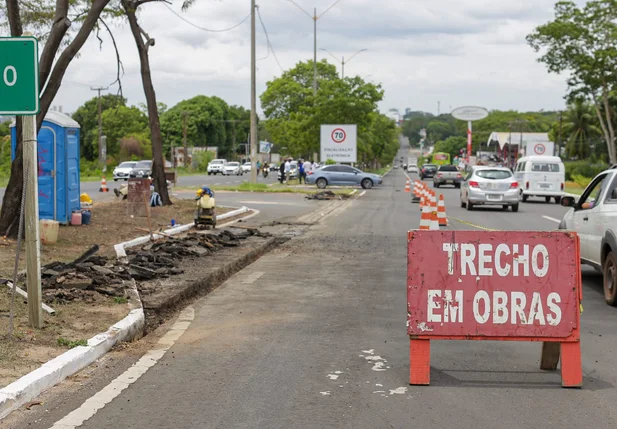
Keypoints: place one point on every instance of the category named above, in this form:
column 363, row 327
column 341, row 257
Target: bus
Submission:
column 441, row 158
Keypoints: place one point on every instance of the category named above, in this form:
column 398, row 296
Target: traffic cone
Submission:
column 408, row 186
column 425, row 219
column 433, row 200
column 434, row 225
column 415, row 198
column 441, row 211
column 103, row 187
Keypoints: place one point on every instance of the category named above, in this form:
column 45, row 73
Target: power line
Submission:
column 202, row 28
column 270, row 47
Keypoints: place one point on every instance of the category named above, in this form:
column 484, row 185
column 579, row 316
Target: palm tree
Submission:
column 580, row 128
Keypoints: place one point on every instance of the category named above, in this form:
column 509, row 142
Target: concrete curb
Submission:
column 121, row 248
column 129, row 328
column 68, row 363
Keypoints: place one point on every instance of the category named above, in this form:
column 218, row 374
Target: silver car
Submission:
column 490, row 186
column 342, row 175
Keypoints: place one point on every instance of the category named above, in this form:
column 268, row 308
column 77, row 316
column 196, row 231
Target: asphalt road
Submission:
column 291, row 342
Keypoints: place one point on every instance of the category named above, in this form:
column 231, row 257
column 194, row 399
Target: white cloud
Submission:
column 423, row 51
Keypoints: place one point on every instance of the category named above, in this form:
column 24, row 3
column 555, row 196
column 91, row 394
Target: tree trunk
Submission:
column 610, row 143
column 11, row 202
column 158, row 166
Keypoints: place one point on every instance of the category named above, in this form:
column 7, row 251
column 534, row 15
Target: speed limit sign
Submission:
column 338, row 143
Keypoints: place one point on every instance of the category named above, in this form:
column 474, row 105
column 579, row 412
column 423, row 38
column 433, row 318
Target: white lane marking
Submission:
column 327, row 393
column 89, row 408
column 332, row 376
column 269, row 203
column 398, row 391
column 252, row 277
column 551, row 219
column 361, row 194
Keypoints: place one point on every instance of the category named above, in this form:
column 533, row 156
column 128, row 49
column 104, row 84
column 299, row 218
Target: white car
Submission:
column 412, row 168
column 594, row 218
column 216, row 166
column 246, row 167
column 122, row 171
column 232, row 168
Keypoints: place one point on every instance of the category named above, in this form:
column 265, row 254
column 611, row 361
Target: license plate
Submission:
column 493, row 197
column 449, row 181
column 545, row 185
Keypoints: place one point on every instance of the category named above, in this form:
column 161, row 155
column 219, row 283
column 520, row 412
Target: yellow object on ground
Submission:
column 85, row 198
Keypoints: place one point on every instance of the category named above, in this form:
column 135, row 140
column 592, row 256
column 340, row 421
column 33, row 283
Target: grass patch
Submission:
column 574, row 188
column 120, row 300
column 275, row 188
column 63, row 342
column 380, row 171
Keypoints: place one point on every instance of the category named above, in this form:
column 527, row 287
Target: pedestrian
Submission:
column 315, row 166
column 282, row 172
column 287, row 170
column 308, row 168
column 258, row 167
column 301, row 172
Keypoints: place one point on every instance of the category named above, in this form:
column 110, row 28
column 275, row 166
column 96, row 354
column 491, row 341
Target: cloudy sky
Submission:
column 470, row 52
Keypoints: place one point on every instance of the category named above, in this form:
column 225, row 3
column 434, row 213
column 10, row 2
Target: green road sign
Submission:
column 19, row 76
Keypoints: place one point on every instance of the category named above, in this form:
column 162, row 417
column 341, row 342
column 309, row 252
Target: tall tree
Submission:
column 580, row 129
column 581, row 42
column 53, row 64
column 144, row 42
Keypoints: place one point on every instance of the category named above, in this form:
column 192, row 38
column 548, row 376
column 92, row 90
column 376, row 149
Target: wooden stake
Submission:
column 155, row 232
column 33, row 246
column 148, row 215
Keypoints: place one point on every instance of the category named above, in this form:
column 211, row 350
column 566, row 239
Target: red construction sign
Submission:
column 509, row 286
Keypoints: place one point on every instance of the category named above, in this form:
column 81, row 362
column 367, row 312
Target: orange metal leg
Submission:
column 571, row 365
column 419, row 362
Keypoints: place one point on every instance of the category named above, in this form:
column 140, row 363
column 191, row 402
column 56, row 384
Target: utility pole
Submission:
column 560, row 128
column 314, row 17
column 33, row 246
column 100, row 140
column 342, row 61
column 253, row 134
column 185, row 141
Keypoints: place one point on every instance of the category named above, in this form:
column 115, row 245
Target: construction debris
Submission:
column 326, row 196
column 92, row 274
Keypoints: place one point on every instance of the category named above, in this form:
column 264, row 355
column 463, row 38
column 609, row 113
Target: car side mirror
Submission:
column 568, row 201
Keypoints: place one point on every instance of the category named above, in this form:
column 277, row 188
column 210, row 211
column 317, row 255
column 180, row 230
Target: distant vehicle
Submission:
column 541, row 176
column 447, row 175
column 594, row 218
column 232, row 169
column 342, row 175
column 490, row 186
column 428, row 170
column 404, row 166
column 246, row 167
column 412, row 168
column 274, row 167
column 294, row 171
column 216, row 166
column 440, row 158
column 396, row 167
column 142, row 169
column 123, row 171
column 412, row 160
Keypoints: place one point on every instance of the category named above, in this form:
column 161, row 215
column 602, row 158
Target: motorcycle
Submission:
column 265, row 172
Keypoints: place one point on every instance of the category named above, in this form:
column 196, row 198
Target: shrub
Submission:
column 582, row 181
column 583, row 168
column 330, row 162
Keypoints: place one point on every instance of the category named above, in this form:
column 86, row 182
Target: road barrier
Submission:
column 408, row 186
column 499, row 286
column 415, row 195
column 441, row 211
column 425, row 218
column 103, row 187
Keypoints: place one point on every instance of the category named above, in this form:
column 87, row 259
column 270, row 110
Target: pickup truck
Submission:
column 447, row 175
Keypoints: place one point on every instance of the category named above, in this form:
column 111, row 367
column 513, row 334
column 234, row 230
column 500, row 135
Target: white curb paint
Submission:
column 53, row 372
column 121, row 248
column 90, row 407
column 24, row 295
column 551, row 219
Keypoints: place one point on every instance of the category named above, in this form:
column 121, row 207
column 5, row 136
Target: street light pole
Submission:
column 253, row 138
column 343, row 62
column 314, row 17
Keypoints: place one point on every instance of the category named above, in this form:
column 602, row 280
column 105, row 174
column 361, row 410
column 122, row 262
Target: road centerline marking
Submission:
column 552, row 219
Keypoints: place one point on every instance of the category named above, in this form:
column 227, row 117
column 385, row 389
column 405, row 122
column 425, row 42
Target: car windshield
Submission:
column 430, row 166
column 217, row 162
column 143, row 164
column 448, row 168
column 494, row 174
column 127, row 165
column 232, row 164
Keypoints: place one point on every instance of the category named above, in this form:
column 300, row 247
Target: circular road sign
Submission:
column 539, row 149
column 470, row 113
column 339, row 135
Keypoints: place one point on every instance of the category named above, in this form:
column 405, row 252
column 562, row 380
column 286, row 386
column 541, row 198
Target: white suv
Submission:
column 594, row 218
column 216, row 166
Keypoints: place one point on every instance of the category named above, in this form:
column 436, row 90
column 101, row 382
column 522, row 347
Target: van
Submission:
column 541, row 176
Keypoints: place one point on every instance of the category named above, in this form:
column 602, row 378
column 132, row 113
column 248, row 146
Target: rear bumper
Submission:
column 446, row 181
column 538, row 193
column 480, row 197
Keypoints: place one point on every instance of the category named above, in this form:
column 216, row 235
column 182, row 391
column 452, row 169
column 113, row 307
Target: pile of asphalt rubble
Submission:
column 326, row 195
column 92, row 275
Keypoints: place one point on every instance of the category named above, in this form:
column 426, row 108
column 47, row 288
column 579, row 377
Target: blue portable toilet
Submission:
column 58, row 161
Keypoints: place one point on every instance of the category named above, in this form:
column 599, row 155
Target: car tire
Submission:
column 209, row 174
column 524, row 198
column 321, row 183
column 547, row 199
column 435, row 185
column 115, row 180
column 457, row 185
column 515, row 207
column 463, row 205
column 557, row 200
column 367, row 184
column 469, row 206
column 505, row 207
column 609, row 279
